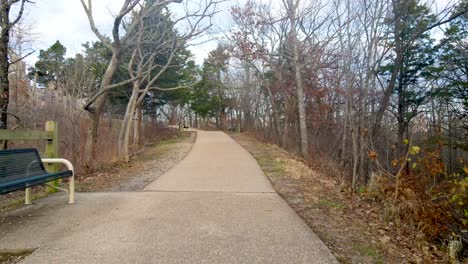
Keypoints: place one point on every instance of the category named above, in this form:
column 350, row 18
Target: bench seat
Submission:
column 21, row 184
column 21, row 169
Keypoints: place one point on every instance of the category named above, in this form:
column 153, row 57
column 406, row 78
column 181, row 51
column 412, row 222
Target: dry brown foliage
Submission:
column 34, row 108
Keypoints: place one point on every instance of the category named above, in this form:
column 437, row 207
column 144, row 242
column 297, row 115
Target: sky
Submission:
column 65, row 20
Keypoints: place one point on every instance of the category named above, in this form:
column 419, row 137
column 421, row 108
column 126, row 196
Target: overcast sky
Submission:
column 65, row 20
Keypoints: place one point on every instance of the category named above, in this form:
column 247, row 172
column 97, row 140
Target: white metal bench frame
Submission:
column 71, row 184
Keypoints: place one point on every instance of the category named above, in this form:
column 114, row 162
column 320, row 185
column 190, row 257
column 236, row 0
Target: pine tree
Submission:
column 50, row 65
column 416, row 52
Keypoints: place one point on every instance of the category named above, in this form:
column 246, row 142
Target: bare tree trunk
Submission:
column 34, row 87
column 302, row 113
column 124, row 134
column 128, row 129
column 4, row 64
column 274, row 111
column 222, row 119
column 292, row 9
column 343, row 139
column 92, row 132
column 396, row 68
column 6, row 26
column 286, row 125
column 4, row 68
column 124, row 131
column 190, row 117
column 137, row 128
column 96, row 111
column 239, row 120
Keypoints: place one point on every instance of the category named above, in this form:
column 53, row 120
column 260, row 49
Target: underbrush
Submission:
column 421, row 202
column 424, row 206
column 73, row 123
column 425, row 202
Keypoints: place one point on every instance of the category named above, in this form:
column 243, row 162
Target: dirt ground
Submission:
column 348, row 224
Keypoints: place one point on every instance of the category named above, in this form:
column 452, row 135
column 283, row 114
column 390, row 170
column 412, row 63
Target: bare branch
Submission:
column 89, row 12
column 172, row 88
column 107, row 88
column 20, row 13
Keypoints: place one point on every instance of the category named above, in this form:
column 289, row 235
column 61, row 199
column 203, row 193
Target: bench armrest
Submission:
column 71, row 183
column 69, row 165
column 65, row 162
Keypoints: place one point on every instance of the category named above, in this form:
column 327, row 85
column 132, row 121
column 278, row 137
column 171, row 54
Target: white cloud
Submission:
column 66, row 21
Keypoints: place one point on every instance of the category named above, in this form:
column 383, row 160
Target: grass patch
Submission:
column 169, row 142
column 269, row 165
column 368, row 251
column 331, row 204
column 160, row 148
column 175, row 139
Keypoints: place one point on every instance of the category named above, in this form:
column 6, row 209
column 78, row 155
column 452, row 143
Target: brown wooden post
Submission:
column 51, row 151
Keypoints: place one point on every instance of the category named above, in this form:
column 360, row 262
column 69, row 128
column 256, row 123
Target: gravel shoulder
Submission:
column 147, row 166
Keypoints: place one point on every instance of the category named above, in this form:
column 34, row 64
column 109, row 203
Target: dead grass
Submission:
column 350, row 225
column 73, row 123
column 107, row 179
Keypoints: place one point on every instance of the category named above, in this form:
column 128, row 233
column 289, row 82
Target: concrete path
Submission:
column 216, row 206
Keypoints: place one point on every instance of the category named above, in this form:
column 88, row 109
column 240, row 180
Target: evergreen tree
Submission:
column 417, row 53
column 50, row 64
column 209, row 99
column 452, row 70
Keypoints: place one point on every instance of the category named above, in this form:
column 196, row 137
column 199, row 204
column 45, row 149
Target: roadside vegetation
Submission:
column 355, row 226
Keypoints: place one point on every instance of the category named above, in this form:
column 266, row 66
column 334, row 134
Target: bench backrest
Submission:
column 20, row 163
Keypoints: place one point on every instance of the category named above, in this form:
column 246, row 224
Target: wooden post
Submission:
column 51, row 151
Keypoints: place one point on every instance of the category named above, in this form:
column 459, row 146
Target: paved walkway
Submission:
column 216, row 206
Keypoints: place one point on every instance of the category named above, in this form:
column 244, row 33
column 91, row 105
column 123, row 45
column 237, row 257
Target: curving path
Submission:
column 216, row 206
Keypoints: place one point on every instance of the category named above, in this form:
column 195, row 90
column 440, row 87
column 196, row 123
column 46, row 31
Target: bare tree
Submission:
column 116, row 45
column 7, row 23
column 161, row 40
column 292, row 7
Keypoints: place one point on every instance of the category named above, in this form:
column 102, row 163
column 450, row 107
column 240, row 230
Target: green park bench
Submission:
column 21, row 169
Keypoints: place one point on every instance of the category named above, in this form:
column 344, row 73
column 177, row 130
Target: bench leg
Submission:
column 71, row 184
column 28, row 196
column 72, row 190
